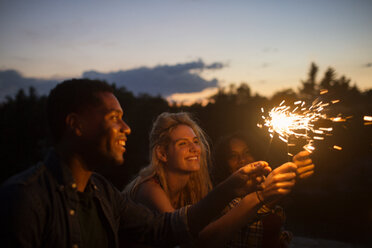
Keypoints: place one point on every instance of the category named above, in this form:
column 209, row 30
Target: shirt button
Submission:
column 74, row 185
column 72, row 212
column 75, row 246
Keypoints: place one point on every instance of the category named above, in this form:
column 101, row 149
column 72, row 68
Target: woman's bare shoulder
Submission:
column 152, row 195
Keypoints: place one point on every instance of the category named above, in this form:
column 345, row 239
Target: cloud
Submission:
column 190, row 98
column 368, row 65
column 11, row 81
column 163, row 79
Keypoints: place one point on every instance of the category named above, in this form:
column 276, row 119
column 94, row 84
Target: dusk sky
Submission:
column 193, row 45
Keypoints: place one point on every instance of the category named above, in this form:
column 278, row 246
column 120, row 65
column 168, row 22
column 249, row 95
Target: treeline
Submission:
column 335, row 203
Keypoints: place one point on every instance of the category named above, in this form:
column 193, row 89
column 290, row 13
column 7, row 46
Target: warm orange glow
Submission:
column 337, row 147
column 323, row 91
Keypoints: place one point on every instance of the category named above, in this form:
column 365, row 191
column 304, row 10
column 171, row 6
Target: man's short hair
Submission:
column 70, row 96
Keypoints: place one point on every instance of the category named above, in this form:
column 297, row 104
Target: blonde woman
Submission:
column 178, row 176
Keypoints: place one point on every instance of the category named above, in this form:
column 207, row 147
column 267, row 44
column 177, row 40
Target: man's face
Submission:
column 104, row 133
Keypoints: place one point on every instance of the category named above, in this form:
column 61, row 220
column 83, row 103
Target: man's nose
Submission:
column 125, row 128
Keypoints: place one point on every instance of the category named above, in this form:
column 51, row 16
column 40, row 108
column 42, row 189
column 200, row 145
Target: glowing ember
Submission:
column 323, row 92
column 367, row 118
column 338, row 119
column 337, row 147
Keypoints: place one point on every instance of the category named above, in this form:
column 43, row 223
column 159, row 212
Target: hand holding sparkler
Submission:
column 244, row 180
column 278, row 183
column 305, row 166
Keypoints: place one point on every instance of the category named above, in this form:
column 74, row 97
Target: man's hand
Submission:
column 305, row 166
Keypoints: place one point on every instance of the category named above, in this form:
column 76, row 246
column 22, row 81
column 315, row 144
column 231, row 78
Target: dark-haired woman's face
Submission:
column 238, row 155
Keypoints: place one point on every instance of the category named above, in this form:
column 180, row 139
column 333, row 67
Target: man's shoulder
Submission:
column 30, row 181
column 24, row 190
column 26, row 177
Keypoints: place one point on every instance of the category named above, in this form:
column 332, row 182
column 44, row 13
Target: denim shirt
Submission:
column 38, row 209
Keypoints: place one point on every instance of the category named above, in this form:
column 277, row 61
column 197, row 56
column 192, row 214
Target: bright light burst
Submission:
column 299, row 122
column 367, row 120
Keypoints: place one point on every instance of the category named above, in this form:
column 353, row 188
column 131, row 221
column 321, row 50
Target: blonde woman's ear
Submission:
column 161, row 154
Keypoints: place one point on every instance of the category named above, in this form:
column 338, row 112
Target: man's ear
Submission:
column 74, row 124
column 161, row 153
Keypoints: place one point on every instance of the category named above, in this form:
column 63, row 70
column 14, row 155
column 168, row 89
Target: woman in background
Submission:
column 231, row 153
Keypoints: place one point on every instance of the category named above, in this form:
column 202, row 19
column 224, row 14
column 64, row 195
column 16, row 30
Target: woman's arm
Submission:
column 200, row 214
column 217, row 233
column 277, row 184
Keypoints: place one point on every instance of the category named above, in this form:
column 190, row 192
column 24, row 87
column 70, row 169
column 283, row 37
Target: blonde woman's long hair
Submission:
column 199, row 183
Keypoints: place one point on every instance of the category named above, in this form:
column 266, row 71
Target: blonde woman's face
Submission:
column 183, row 152
column 239, row 155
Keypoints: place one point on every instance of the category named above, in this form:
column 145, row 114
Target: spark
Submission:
column 329, row 129
column 368, row 120
column 337, row 147
column 338, row 119
column 323, row 91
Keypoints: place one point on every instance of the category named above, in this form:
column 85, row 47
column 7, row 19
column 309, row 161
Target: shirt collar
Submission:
column 62, row 173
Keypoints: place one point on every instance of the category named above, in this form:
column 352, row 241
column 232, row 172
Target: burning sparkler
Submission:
column 299, row 122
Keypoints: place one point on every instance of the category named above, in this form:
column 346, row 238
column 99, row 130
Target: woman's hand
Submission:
column 278, row 183
column 305, row 166
column 246, row 179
